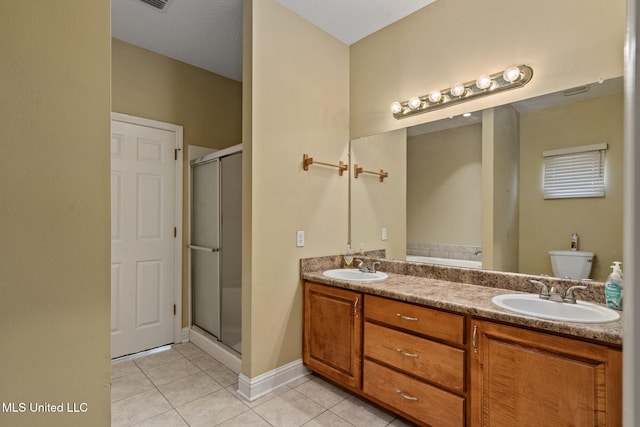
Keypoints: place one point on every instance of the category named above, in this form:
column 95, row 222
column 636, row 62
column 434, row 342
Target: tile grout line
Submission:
column 174, row 408
column 161, row 394
column 222, row 387
column 228, row 389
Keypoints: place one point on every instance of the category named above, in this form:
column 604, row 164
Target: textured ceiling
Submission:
column 203, row 33
column 208, row 33
column 352, row 20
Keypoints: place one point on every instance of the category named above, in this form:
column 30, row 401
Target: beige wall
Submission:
column 566, row 43
column 207, row 105
column 500, row 172
column 298, row 87
column 247, row 183
column 444, row 187
column 548, row 224
column 376, row 204
column 153, row 86
column 54, row 214
column 308, row 93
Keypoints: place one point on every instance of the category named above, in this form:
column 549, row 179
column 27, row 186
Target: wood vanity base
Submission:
column 438, row 368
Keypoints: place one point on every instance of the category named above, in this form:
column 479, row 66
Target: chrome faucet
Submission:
column 363, row 267
column 375, row 266
column 569, row 297
column 544, row 293
column 554, row 294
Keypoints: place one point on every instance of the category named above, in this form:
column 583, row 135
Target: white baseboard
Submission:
column 228, row 358
column 184, row 335
column 253, row 388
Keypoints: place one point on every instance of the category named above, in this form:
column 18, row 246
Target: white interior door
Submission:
column 143, row 197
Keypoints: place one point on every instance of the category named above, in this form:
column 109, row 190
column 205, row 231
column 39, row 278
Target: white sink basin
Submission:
column 532, row 305
column 355, row 274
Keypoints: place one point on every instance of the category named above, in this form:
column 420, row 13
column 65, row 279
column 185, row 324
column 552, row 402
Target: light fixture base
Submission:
column 498, row 83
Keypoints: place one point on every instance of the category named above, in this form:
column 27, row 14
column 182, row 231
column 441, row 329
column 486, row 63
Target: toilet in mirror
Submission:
column 571, row 264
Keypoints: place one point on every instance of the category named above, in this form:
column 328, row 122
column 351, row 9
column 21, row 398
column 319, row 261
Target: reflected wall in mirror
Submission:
column 475, row 184
column 379, row 207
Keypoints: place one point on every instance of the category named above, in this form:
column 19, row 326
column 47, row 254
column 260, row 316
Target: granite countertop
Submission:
column 466, row 298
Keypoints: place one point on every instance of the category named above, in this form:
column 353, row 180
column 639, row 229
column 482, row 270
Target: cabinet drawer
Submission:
column 427, row 321
column 424, row 402
column 435, row 362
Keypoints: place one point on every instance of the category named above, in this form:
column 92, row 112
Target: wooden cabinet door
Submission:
column 525, row 378
column 332, row 341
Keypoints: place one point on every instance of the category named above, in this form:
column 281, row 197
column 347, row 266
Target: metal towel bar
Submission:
column 202, row 248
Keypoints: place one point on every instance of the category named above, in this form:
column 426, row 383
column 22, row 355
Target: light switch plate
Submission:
column 384, row 233
column 299, row 239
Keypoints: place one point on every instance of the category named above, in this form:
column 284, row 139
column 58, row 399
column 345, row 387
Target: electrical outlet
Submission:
column 384, row 233
column 299, row 239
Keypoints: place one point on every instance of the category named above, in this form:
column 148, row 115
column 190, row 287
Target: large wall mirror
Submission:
column 470, row 189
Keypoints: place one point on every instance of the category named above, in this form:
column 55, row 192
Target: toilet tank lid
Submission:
column 572, row 253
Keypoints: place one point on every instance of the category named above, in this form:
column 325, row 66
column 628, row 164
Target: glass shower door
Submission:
column 205, row 247
column 231, row 251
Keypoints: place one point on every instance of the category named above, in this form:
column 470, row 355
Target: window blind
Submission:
column 574, row 172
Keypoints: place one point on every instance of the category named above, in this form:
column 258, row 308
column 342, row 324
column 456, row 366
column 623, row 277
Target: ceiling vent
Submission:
column 161, row 5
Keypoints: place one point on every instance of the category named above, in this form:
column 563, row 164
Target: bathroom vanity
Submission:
column 439, row 353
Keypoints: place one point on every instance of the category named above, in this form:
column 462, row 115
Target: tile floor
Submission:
column 184, row 386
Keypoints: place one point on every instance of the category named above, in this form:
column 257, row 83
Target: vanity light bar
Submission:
column 511, row 78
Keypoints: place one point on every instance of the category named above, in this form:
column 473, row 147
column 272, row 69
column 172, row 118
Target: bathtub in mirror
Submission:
column 453, row 262
column 465, row 184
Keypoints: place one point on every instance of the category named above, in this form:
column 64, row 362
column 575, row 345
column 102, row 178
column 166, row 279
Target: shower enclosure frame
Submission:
column 193, row 327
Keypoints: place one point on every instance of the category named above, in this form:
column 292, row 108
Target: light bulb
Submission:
column 511, row 74
column 414, row 102
column 483, row 82
column 466, row 115
column 435, row 96
column 457, row 89
column 396, row 107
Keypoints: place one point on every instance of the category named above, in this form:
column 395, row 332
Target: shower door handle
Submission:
column 202, row 248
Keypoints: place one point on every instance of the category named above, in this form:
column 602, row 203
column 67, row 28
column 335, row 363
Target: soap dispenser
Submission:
column 348, row 257
column 613, row 287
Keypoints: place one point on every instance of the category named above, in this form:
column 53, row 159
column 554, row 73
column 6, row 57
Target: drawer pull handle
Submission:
column 404, row 353
column 406, row 396
column 415, row 319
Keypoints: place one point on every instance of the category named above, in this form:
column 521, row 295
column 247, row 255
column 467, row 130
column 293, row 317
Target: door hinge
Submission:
column 174, row 309
column 175, row 153
column 175, row 232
